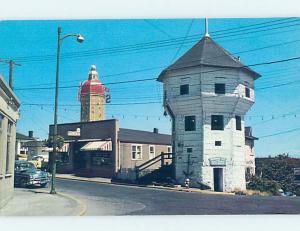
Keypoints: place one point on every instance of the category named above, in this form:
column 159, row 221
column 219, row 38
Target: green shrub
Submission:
column 279, row 169
column 263, row 185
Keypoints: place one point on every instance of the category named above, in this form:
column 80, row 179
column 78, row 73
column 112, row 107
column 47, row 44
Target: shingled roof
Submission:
column 208, row 53
column 20, row 136
column 144, row 137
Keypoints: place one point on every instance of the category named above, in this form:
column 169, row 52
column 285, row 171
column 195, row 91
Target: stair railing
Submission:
column 160, row 158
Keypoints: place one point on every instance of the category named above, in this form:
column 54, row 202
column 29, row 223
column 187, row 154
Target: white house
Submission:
column 9, row 114
column 207, row 93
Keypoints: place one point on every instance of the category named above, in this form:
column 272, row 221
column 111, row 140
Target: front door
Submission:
column 218, row 179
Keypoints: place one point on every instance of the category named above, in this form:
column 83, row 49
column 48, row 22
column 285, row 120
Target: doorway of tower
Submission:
column 218, row 179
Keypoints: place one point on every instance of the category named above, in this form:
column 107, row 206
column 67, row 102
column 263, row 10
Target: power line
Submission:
column 78, row 105
column 158, row 67
column 157, row 28
column 137, row 46
column 186, row 34
column 280, row 133
column 149, row 79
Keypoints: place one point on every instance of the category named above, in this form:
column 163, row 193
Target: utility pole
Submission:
column 60, row 39
column 11, row 64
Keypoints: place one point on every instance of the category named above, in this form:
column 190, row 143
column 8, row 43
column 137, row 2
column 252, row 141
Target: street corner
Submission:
column 39, row 202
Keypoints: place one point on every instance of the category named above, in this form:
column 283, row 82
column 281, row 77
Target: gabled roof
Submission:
column 143, row 137
column 20, row 136
column 208, row 53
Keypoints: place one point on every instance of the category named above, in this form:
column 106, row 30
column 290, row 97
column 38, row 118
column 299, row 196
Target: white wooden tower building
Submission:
column 207, row 93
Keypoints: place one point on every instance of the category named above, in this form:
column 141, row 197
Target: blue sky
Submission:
column 33, row 45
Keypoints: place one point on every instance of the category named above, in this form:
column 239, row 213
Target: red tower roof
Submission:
column 93, row 84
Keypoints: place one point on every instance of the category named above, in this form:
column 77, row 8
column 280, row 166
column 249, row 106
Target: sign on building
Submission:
column 74, row 133
column 217, row 161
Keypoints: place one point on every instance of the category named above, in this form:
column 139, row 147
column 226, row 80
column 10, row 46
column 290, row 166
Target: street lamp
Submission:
column 60, row 39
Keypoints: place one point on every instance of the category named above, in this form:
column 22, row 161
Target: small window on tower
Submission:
column 190, row 123
column 217, row 122
column 238, row 123
column 184, row 89
column 218, row 143
column 189, row 150
column 247, row 92
column 219, row 88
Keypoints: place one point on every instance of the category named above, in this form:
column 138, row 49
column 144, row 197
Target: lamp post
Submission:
column 60, row 39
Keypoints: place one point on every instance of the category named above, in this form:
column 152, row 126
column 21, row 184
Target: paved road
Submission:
column 105, row 199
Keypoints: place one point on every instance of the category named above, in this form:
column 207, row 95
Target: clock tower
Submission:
column 92, row 98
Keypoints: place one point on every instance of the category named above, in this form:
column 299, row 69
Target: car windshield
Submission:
column 24, row 165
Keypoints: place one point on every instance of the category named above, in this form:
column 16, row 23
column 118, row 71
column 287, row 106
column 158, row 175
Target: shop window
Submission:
column 101, row 159
column 136, row 152
column 217, row 122
column 190, row 123
column 64, row 156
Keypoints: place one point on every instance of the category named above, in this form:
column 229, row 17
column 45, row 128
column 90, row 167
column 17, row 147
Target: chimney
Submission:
column 30, row 134
column 155, row 130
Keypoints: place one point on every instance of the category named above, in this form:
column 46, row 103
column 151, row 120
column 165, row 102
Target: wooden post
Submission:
column 162, row 159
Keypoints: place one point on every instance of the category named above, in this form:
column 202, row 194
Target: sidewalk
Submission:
column 92, row 179
column 101, row 180
column 38, row 202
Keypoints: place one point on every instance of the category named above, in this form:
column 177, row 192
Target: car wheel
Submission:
column 23, row 183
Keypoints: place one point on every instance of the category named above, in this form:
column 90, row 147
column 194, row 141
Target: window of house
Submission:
column 217, row 122
column 190, row 123
column 151, row 152
column 219, row 88
column 136, row 152
column 8, row 149
column 184, row 89
column 238, row 123
column 218, row 143
column 247, row 92
column 169, row 149
column 189, row 150
column 1, row 123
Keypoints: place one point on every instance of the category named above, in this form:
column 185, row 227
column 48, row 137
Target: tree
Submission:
column 59, row 142
column 279, row 169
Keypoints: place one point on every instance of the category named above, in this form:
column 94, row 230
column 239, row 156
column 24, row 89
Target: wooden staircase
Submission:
column 164, row 174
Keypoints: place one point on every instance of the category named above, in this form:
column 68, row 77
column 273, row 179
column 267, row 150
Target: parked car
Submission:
column 27, row 174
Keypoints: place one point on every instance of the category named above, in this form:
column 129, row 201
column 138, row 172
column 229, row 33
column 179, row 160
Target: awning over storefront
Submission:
column 97, row 145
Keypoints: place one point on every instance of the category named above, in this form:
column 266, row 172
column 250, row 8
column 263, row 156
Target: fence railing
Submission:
column 158, row 159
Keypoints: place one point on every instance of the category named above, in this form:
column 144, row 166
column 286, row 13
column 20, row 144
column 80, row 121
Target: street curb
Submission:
column 82, row 204
column 153, row 187
column 70, row 197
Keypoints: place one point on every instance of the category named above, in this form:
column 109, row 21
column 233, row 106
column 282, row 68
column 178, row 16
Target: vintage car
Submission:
column 27, row 174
